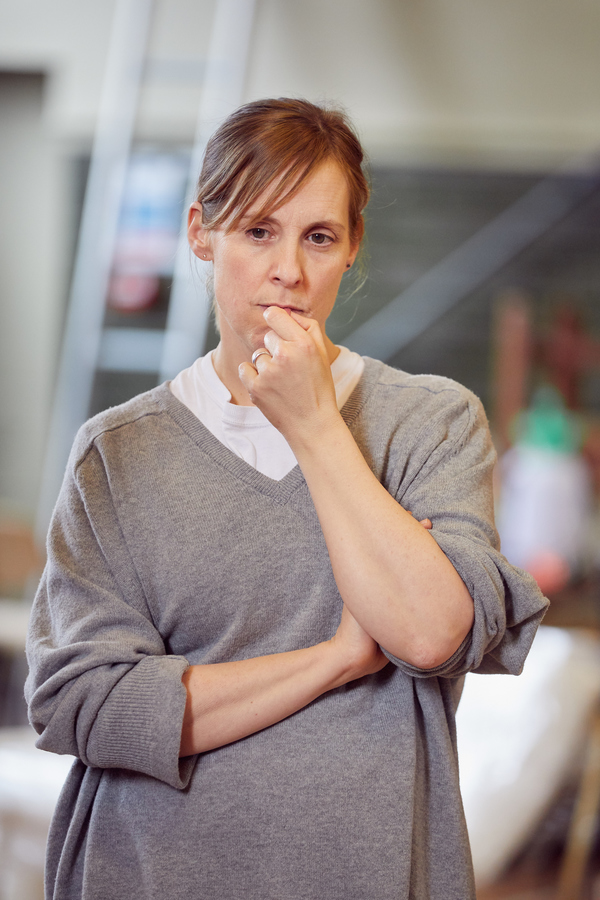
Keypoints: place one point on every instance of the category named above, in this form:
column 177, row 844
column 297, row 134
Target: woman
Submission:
column 248, row 641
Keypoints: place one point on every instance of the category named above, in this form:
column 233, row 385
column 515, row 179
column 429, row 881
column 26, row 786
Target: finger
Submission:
column 258, row 354
column 283, row 324
column 309, row 325
column 426, row 523
column 271, row 341
column 248, row 375
column 304, row 321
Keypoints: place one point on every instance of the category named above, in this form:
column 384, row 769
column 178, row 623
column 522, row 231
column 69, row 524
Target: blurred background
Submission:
column 482, row 122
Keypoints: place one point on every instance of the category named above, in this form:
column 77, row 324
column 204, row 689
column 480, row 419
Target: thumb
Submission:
column 304, row 321
column 313, row 328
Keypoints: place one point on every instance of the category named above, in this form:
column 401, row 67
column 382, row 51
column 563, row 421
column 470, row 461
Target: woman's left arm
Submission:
column 390, row 571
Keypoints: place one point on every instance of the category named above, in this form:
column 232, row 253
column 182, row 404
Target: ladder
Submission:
column 91, row 345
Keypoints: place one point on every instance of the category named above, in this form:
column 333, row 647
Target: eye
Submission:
column 317, row 237
column 259, row 234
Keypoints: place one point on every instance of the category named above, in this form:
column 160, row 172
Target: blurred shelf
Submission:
column 14, row 620
column 576, row 606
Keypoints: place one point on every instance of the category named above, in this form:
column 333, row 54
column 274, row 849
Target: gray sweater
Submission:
column 167, row 550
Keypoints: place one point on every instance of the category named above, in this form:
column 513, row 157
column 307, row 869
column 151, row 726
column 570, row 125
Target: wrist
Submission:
column 348, row 663
column 333, row 664
column 325, row 431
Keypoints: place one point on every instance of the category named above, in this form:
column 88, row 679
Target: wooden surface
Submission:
column 577, row 606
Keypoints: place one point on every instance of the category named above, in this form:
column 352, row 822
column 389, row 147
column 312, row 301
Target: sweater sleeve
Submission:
column 101, row 685
column 452, row 486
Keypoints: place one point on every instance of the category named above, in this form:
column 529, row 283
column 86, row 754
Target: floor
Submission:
column 536, row 885
column 535, row 874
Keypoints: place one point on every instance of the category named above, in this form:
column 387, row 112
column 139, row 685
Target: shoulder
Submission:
column 128, row 421
column 415, row 428
column 423, row 401
column 414, row 424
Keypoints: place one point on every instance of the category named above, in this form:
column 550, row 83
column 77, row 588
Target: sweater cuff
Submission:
column 139, row 724
column 449, row 666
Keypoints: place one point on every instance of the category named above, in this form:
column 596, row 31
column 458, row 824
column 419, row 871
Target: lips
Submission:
column 287, row 309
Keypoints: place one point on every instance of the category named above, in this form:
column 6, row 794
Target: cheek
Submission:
column 330, row 283
column 233, row 274
column 226, row 282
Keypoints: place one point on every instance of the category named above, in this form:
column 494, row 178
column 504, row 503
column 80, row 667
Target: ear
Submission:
column 355, row 247
column 198, row 236
column 352, row 255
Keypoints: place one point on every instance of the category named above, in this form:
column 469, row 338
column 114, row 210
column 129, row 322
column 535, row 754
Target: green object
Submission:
column 548, row 424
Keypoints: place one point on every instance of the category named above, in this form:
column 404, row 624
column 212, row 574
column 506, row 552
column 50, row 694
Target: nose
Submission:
column 287, row 264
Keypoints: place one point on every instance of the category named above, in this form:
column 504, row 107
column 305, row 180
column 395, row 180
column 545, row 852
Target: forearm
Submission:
column 389, row 570
column 229, row 701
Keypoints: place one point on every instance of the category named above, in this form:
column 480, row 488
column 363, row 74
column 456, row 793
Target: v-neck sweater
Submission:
column 245, row 430
column 167, row 550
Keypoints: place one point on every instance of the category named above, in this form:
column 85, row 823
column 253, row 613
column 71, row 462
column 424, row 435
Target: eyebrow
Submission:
column 332, row 224
column 329, row 223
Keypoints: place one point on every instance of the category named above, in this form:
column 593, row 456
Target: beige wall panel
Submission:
column 514, row 81
column 32, row 225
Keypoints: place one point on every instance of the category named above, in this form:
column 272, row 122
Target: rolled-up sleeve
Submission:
column 451, row 484
column 101, row 685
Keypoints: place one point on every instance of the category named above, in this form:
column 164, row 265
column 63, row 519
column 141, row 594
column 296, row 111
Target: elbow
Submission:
column 432, row 650
column 427, row 655
column 432, row 655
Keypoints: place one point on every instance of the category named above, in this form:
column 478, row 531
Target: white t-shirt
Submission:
column 244, row 429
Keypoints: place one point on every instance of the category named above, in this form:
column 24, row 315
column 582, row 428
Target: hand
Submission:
column 294, row 388
column 359, row 649
column 359, row 652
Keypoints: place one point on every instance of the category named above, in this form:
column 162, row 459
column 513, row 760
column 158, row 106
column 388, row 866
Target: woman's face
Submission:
column 293, row 258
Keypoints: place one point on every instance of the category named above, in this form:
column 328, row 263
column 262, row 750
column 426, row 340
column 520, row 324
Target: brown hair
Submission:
column 274, row 146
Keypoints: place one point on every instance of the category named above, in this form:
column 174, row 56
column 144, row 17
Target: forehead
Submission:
column 324, row 195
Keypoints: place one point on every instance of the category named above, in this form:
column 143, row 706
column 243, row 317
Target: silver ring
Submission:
column 259, row 352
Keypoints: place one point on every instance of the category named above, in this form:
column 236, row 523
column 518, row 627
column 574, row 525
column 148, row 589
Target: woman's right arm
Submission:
column 102, row 686
column 229, row 701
